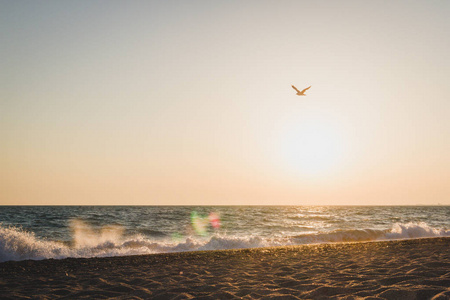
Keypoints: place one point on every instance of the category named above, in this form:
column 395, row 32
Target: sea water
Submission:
column 40, row 232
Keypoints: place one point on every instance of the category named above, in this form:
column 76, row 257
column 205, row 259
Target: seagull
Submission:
column 300, row 93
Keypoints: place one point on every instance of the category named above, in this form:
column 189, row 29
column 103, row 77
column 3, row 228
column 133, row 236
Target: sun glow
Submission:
column 312, row 147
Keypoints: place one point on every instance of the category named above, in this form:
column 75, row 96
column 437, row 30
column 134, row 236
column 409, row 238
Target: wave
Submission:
column 18, row 244
column 398, row 231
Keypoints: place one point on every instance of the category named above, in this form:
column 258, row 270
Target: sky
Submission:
column 190, row 102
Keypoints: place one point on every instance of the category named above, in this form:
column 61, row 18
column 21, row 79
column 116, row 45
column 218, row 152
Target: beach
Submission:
column 401, row 269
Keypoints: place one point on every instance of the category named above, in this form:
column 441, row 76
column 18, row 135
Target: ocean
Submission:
column 42, row 232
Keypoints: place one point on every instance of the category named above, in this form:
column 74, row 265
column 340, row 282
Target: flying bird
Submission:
column 300, row 93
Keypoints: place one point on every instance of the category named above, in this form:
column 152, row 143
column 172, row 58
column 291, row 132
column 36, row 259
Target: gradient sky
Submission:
column 190, row 102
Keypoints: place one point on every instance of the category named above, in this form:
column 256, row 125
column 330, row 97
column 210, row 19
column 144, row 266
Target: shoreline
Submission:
column 403, row 269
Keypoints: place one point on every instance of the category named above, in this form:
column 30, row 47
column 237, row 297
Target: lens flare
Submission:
column 214, row 219
column 200, row 223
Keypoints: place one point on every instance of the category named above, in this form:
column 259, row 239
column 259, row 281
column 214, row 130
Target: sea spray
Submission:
column 85, row 236
column 18, row 244
column 415, row 230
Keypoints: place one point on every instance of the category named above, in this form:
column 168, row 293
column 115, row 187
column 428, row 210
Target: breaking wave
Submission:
column 18, row 244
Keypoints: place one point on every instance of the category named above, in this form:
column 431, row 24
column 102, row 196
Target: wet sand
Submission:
column 408, row 269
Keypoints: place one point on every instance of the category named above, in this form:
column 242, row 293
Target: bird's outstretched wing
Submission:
column 295, row 89
column 305, row 89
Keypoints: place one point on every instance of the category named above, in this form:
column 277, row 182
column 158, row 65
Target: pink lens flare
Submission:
column 200, row 223
column 214, row 219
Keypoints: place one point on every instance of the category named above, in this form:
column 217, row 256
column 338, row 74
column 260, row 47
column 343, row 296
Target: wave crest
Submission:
column 18, row 244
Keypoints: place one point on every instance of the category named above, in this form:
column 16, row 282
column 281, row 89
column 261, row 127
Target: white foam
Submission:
column 415, row 230
column 85, row 236
column 17, row 244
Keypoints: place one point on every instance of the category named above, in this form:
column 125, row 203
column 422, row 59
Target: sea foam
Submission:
column 18, row 244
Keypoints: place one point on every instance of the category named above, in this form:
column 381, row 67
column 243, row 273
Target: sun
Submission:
column 312, row 147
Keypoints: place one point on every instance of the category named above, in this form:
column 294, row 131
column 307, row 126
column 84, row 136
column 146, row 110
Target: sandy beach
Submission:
column 407, row 269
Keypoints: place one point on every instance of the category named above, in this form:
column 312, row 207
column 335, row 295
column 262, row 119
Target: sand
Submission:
column 408, row 269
